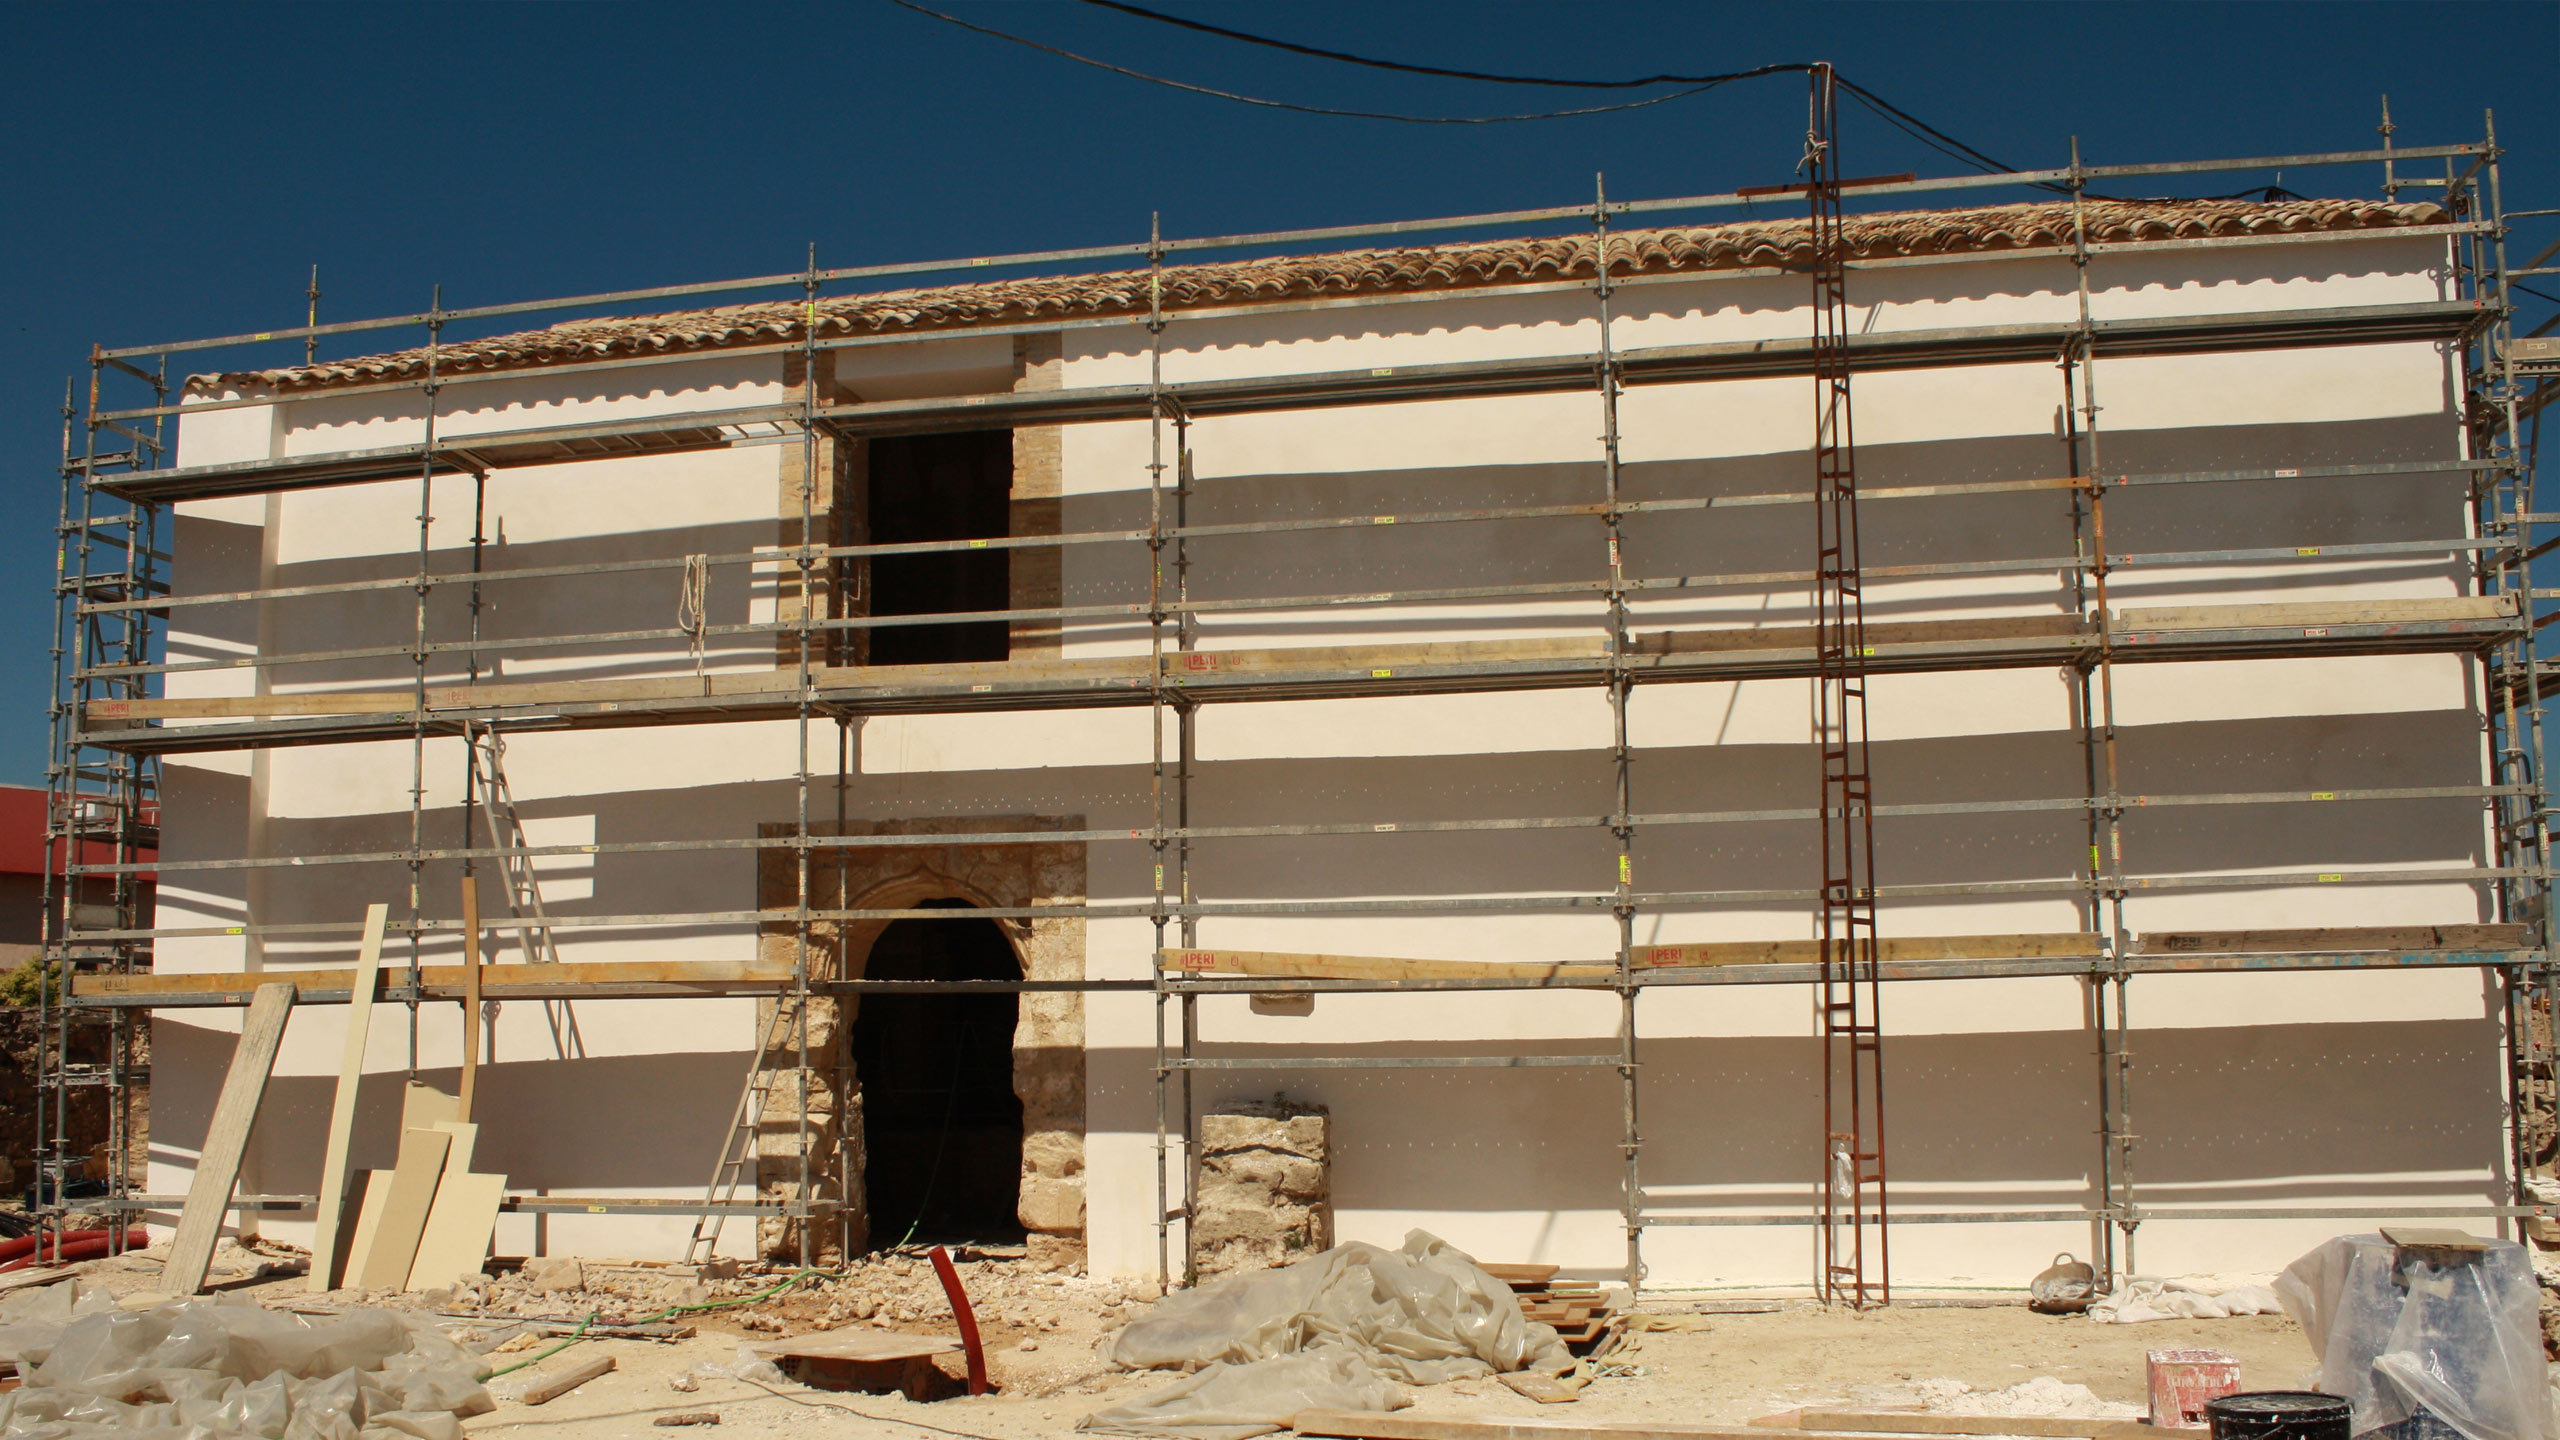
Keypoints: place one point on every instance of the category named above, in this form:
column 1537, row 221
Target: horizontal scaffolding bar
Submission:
column 233, row 989
column 2136, row 1213
column 1149, row 836
column 1400, row 1062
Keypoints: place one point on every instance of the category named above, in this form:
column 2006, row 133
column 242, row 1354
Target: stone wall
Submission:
column 1266, row 1186
column 88, row 1109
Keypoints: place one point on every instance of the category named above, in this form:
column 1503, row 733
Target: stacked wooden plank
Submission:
column 1578, row 1309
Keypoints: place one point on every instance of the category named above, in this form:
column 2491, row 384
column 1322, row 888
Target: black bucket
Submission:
column 2279, row 1415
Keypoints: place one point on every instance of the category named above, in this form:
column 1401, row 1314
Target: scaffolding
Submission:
column 110, row 728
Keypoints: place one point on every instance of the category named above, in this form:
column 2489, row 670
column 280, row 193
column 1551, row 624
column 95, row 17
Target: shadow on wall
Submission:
column 541, row 1125
column 2319, row 511
column 2327, row 1114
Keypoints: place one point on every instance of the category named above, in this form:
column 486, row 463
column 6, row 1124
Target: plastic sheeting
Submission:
column 2397, row 1333
column 200, row 1370
column 1343, row 1330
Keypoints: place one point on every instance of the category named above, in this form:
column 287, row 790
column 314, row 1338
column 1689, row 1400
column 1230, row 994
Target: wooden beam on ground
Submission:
column 1913, row 1422
column 2333, row 939
column 328, row 1253
column 1405, row 1425
column 567, row 1380
column 226, row 1141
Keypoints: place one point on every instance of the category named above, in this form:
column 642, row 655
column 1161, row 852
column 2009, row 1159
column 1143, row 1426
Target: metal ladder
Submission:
column 488, row 751
column 506, row 835
column 738, row 1152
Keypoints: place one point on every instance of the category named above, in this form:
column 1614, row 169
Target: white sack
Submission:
column 2139, row 1300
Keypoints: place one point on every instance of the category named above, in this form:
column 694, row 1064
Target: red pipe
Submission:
column 967, row 1317
column 76, row 1245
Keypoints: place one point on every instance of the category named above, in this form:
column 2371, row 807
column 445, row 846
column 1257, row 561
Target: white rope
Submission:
column 692, row 604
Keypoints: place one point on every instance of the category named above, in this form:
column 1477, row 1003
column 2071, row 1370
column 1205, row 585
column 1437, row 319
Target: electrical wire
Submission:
column 1295, row 48
column 1883, row 109
column 1325, row 109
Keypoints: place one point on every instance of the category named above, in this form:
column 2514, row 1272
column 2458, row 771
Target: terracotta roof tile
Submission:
column 1357, row 272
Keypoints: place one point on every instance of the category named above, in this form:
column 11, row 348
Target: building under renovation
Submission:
column 1675, row 723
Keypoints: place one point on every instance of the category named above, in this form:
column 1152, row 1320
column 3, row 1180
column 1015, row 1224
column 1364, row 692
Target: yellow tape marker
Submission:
column 1626, row 872
column 1380, row 674
column 1383, row 370
column 2308, row 550
column 2331, row 879
column 2324, row 794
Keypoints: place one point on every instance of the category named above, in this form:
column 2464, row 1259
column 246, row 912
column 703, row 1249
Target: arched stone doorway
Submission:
column 941, row 1124
column 1047, row 1043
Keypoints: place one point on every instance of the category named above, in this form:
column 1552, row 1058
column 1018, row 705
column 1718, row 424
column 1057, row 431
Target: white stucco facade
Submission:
column 2279, row 1089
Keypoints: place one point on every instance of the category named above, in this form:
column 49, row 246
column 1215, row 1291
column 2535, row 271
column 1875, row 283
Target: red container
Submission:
column 2183, row 1380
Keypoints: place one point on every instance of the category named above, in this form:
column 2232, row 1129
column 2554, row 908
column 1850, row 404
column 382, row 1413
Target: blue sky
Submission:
column 175, row 171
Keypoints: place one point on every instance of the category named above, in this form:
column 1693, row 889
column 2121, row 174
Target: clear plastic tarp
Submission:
column 1343, row 1330
column 2403, row 1331
column 205, row 1370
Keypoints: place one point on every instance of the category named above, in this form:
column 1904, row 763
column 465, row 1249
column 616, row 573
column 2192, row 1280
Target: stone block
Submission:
column 1052, row 1207
column 1266, row 1186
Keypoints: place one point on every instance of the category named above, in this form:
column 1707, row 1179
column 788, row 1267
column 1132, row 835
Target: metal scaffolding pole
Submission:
column 1622, row 757
column 2106, row 858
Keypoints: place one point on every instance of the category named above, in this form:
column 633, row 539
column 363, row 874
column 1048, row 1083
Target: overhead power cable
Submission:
column 1894, row 115
column 988, row 30
column 1883, row 109
column 1347, row 58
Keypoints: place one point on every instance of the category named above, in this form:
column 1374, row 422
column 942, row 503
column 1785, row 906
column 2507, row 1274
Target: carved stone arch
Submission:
column 907, row 891
column 1048, row 1041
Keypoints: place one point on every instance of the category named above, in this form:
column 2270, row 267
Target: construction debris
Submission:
column 1577, row 1310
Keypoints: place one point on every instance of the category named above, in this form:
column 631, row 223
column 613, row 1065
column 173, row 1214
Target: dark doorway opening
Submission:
column 942, row 1128
column 940, row 487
